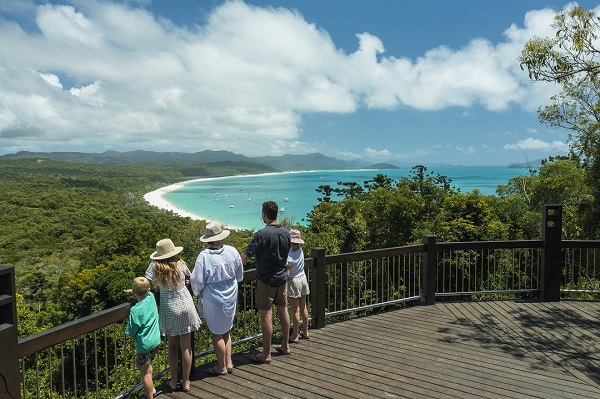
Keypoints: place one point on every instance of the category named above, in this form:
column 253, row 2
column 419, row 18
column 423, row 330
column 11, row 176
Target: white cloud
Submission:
column 371, row 153
column 535, row 144
column 467, row 150
column 137, row 81
column 51, row 79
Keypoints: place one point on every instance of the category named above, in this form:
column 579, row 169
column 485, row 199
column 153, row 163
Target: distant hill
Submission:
column 313, row 161
column 280, row 163
column 383, row 166
column 526, row 165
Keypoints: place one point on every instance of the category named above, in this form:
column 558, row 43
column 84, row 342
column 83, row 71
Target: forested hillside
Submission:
column 78, row 233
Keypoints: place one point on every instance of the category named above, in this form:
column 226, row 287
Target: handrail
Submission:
column 73, row 329
column 580, row 244
column 375, row 253
column 474, row 245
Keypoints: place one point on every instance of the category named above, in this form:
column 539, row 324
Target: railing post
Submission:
column 429, row 269
column 317, row 288
column 551, row 250
column 9, row 336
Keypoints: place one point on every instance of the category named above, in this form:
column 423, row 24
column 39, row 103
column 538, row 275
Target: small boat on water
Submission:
column 231, row 206
column 282, row 209
column 285, row 200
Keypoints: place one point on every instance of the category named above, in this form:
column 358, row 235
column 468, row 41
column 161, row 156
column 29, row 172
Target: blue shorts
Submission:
column 145, row 358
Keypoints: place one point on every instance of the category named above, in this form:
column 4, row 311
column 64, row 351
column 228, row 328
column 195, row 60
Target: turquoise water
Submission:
column 236, row 201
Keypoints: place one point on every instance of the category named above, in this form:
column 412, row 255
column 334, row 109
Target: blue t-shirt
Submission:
column 271, row 246
column 143, row 324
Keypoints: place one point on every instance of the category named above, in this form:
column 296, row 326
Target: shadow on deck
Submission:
column 509, row 349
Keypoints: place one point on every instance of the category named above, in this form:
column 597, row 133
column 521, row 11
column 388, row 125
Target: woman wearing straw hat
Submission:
column 177, row 317
column 215, row 278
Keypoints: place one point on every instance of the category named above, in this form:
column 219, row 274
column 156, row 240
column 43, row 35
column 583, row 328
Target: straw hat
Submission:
column 214, row 232
column 295, row 237
column 165, row 249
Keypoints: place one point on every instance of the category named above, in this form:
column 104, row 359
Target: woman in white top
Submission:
column 215, row 279
column 297, row 287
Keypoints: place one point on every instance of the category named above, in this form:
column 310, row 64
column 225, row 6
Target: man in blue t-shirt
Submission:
column 271, row 246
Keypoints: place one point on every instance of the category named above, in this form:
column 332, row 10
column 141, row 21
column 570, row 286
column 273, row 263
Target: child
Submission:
column 142, row 326
column 297, row 287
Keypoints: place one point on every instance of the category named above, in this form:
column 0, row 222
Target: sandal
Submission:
column 213, row 373
column 282, row 352
column 170, row 388
column 256, row 359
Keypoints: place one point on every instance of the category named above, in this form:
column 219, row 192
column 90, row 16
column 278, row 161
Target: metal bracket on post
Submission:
column 551, row 250
column 318, row 288
column 9, row 336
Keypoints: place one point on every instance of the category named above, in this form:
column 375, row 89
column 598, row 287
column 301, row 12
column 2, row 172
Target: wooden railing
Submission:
column 342, row 285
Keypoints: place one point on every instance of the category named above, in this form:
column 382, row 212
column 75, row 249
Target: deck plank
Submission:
column 490, row 350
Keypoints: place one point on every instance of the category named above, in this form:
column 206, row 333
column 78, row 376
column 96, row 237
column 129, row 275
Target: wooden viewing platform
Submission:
column 507, row 349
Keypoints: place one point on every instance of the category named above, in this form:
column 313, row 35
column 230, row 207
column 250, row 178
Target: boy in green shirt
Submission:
column 142, row 326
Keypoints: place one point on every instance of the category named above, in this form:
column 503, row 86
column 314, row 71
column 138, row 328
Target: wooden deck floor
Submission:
column 451, row 350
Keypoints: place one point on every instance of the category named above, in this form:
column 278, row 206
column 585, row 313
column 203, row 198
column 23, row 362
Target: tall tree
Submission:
column 570, row 59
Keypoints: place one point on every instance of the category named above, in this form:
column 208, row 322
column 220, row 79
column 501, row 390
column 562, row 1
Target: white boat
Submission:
column 231, row 206
column 285, row 200
column 282, row 209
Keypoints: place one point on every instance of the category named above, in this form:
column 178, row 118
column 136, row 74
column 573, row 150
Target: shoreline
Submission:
column 155, row 198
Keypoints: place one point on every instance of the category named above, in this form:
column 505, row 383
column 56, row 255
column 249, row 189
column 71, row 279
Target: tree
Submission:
column 558, row 182
column 570, row 60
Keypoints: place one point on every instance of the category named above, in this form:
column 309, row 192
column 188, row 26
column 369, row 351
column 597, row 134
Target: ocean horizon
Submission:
column 235, row 201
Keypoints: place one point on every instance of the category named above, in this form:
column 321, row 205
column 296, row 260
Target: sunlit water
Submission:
column 236, row 201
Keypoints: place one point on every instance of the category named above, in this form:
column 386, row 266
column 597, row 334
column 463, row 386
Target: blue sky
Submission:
column 382, row 80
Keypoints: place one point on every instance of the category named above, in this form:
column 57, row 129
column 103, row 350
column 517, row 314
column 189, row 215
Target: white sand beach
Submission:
column 155, row 198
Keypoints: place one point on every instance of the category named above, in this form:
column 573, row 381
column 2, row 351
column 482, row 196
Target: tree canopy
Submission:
column 570, row 59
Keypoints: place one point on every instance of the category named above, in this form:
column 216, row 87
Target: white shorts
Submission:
column 297, row 286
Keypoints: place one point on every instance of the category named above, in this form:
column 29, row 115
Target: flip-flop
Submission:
column 292, row 342
column 256, row 359
column 304, row 336
column 230, row 370
column 282, row 352
column 170, row 388
column 186, row 390
column 211, row 371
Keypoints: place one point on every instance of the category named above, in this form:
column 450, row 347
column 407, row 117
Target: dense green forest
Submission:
column 77, row 233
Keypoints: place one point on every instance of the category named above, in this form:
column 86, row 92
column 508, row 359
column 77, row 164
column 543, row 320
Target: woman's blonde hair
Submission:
column 166, row 272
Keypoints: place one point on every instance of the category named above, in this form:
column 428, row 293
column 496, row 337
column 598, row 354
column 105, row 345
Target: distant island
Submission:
column 383, row 166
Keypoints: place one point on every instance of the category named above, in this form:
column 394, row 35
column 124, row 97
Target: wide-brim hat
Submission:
column 214, row 232
column 165, row 249
column 295, row 237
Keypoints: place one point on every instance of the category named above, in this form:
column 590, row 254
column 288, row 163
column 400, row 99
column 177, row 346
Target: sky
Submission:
column 380, row 80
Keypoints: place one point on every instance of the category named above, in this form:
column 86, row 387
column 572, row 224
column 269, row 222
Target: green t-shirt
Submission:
column 143, row 324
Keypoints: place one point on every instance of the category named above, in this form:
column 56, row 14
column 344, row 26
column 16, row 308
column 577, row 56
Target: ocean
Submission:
column 236, row 201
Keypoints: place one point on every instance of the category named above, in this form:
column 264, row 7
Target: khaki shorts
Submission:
column 267, row 296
